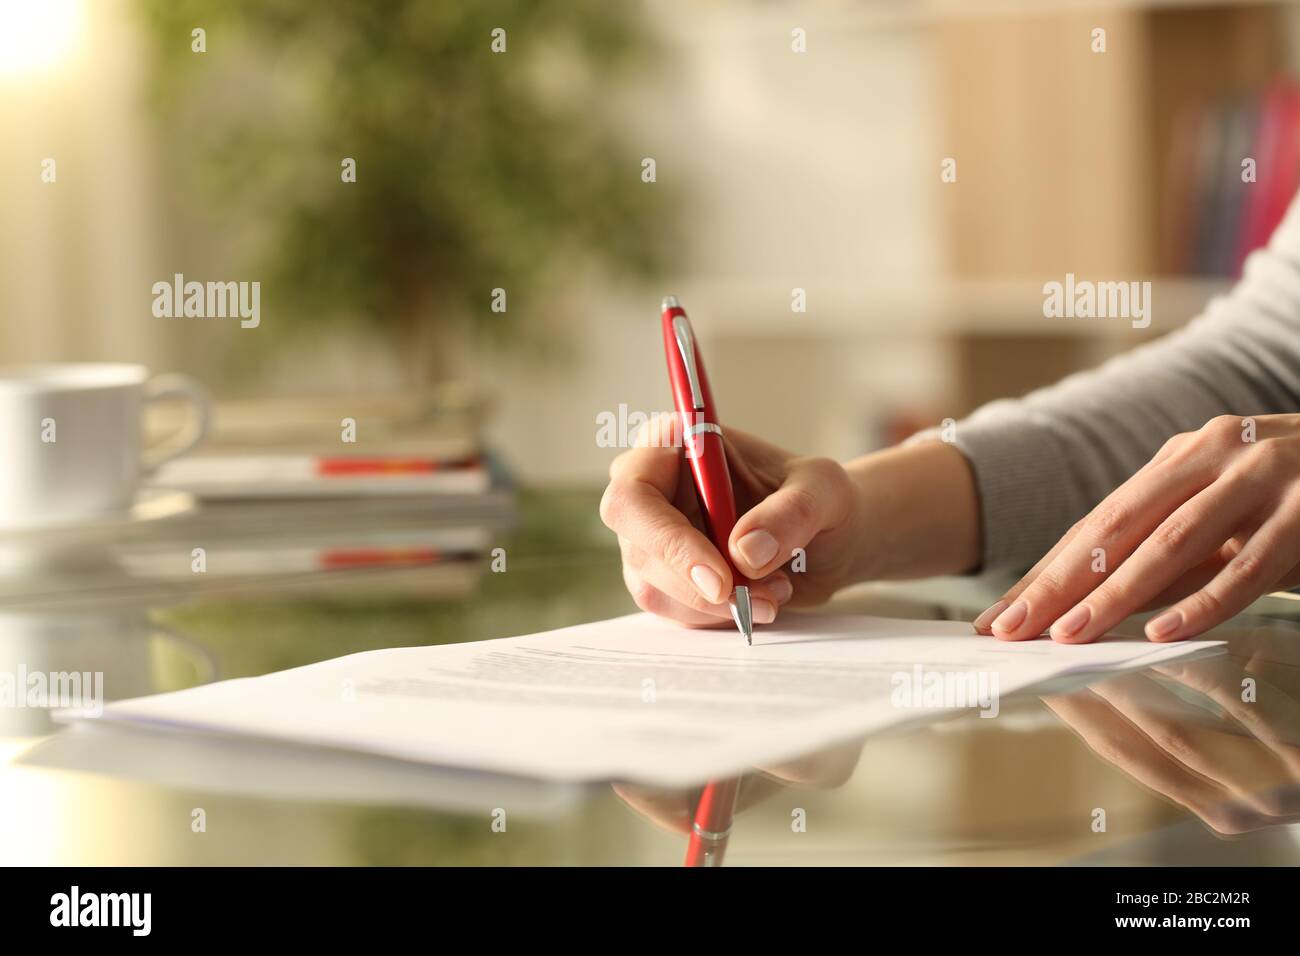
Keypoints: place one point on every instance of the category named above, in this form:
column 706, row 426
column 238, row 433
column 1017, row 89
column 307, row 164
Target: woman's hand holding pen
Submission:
column 1211, row 523
column 900, row 513
column 672, row 568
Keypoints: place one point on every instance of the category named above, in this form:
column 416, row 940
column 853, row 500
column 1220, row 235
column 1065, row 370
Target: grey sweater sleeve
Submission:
column 1043, row 461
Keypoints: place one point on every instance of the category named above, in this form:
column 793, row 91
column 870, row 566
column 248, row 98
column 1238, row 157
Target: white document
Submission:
column 637, row 698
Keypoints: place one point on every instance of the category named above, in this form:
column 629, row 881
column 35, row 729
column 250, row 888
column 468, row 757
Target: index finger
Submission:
column 637, row 505
column 1103, row 541
column 983, row 623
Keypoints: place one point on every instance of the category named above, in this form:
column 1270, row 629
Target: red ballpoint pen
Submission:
column 712, row 823
column 702, row 437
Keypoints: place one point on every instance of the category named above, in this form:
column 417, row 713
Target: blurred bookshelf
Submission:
column 1122, row 166
column 882, row 360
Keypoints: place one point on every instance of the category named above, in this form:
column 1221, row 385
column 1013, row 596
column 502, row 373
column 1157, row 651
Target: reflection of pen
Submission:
column 712, row 824
column 702, row 438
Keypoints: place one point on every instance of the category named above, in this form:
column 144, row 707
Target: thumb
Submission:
column 814, row 498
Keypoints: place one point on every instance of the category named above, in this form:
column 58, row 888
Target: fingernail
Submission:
column 781, row 589
column 757, row 548
column 1072, row 621
column 707, row 583
column 982, row 622
column 1011, row 618
column 763, row 611
column 1165, row 624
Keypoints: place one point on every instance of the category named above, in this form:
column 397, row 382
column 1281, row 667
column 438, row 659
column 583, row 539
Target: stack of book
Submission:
column 298, row 487
column 1214, row 214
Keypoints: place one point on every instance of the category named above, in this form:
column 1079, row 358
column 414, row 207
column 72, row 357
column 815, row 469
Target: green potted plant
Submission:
column 389, row 165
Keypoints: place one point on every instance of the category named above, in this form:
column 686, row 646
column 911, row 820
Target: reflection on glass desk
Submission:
column 1165, row 766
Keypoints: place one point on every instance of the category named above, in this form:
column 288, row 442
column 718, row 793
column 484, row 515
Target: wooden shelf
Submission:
column 928, row 310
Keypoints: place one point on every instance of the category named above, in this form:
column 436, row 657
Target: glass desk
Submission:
column 1184, row 771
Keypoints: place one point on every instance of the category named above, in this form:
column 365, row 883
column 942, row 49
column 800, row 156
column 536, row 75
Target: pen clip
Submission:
column 686, row 346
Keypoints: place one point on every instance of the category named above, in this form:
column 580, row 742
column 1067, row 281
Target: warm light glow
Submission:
column 36, row 34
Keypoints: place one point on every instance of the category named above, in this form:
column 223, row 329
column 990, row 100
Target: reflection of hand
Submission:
column 674, row 809
column 1209, row 525
column 1237, row 773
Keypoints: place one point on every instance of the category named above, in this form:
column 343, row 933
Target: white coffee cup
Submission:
column 70, row 438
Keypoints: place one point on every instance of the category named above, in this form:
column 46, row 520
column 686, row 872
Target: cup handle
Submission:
column 204, row 661
column 178, row 386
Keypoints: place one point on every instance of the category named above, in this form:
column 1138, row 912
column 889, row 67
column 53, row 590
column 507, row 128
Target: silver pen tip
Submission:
column 742, row 613
column 670, row 302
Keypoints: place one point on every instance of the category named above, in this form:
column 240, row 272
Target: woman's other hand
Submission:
column 1211, row 523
